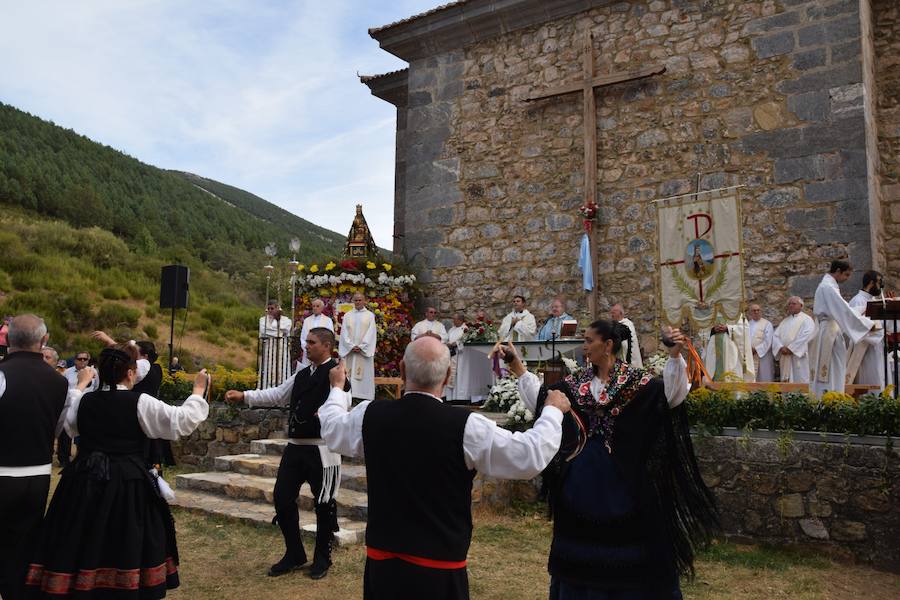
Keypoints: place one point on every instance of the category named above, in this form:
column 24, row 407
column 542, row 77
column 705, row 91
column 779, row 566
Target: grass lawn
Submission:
column 223, row 560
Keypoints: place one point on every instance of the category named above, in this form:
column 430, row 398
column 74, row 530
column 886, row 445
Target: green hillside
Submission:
column 59, row 173
column 85, row 230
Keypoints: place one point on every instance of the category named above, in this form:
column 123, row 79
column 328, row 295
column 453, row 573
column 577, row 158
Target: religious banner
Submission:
column 700, row 258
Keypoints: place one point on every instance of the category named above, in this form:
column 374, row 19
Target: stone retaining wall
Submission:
column 841, row 498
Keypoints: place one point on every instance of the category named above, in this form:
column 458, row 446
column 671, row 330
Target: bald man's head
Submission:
column 27, row 333
column 617, row 312
column 426, row 365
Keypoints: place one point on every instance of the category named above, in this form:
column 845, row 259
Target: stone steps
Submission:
column 242, row 485
column 350, row 533
column 350, row 503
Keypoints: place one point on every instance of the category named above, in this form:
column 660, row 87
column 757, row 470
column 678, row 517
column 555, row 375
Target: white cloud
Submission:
column 260, row 95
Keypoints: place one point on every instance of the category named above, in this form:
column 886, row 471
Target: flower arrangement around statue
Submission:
column 390, row 296
column 480, row 330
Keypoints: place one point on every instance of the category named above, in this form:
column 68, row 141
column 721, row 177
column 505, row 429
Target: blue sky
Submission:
column 262, row 95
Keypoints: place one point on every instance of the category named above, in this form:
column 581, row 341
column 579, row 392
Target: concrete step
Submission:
column 350, row 503
column 353, row 477
column 351, row 532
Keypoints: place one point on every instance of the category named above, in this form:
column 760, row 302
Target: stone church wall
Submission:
column 766, row 94
column 887, row 74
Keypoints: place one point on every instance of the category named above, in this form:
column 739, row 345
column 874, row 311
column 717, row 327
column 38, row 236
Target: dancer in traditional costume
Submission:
column 629, row 506
column 108, row 532
column 421, row 456
column 305, row 458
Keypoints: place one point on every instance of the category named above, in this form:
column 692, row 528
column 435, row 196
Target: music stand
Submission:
column 885, row 310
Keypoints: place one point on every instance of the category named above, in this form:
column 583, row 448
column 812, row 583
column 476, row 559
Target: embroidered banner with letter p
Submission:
column 700, row 258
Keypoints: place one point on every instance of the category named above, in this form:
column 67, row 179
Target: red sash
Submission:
column 430, row 563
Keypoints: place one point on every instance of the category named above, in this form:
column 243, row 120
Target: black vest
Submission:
column 420, row 490
column 307, row 396
column 29, row 409
column 150, row 383
column 107, row 422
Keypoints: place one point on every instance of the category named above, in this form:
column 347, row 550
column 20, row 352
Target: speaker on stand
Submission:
column 173, row 293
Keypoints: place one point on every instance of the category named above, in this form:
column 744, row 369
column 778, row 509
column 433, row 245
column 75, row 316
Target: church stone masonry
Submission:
column 796, row 100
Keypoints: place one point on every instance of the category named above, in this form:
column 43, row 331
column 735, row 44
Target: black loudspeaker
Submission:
column 173, row 289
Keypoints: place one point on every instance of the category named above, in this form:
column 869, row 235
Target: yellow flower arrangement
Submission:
column 370, row 265
column 314, row 269
column 387, row 266
column 301, row 267
column 330, row 266
column 835, row 399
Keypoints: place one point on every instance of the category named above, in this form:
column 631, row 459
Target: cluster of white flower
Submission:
column 572, row 366
column 519, row 413
column 316, row 281
column 503, row 395
column 656, row 363
column 395, row 282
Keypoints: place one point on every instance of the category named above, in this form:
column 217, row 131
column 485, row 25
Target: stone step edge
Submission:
column 356, row 502
column 351, row 532
column 275, row 446
column 351, row 477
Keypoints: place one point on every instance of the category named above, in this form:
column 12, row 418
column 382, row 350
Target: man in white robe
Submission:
column 519, row 325
column 316, row 319
column 866, row 362
column 617, row 314
column 791, row 342
column 835, row 319
column 722, row 357
column 274, row 347
column 359, row 334
column 430, row 326
column 454, row 343
column 761, row 334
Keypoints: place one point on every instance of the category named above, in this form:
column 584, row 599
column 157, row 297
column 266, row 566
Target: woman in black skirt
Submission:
column 108, row 533
column 629, row 506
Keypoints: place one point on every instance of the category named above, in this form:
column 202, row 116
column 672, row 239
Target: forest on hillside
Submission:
column 59, row 173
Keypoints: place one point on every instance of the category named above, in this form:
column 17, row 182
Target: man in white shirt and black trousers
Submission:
column 421, row 456
column 32, row 397
column 305, row 458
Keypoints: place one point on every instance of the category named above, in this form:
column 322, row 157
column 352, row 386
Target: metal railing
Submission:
column 276, row 359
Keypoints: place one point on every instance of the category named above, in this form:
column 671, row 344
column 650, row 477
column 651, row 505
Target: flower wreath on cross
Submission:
column 588, row 213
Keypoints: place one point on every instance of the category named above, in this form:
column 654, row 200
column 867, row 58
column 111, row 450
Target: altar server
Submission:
column 866, row 362
column 761, row 334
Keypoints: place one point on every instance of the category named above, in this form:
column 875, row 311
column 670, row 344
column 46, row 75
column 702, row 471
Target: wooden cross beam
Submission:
column 587, row 86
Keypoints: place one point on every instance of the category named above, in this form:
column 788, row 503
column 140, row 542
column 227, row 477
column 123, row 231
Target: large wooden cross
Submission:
column 587, row 86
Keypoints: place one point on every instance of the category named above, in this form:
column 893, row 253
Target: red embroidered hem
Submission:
column 86, row 580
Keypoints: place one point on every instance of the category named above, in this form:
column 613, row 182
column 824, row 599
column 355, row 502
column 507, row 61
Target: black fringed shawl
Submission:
column 651, row 450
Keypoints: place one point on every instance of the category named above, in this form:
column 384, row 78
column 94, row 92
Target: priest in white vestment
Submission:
column 617, row 314
column 359, row 334
column 866, row 362
column 316, row 319
column 455, row 343
column 835, row 319
column 519, row 325
column 274, row 347
column 553, row 326
column 429, row 326
column 791, row 342
column 761, row 334
column 722, row 358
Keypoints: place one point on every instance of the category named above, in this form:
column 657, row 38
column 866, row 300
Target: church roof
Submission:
column 436, row 9
column 457, row 24
column 390, row 87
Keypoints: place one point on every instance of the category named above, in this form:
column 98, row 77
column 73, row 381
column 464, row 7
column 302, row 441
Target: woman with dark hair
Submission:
column 628, row 504
column 108, row 532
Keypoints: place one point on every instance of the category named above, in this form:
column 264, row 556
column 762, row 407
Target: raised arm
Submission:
column 165, row 421
column 341, row 430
